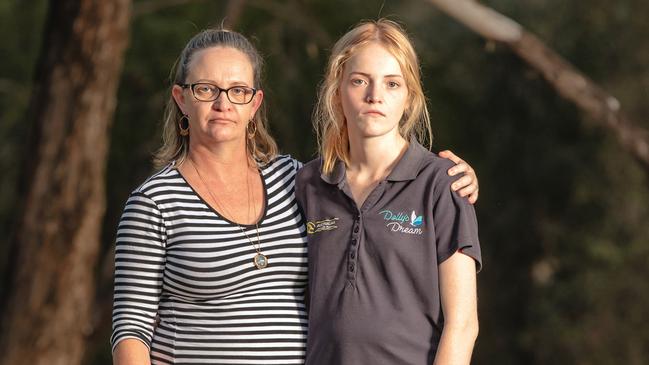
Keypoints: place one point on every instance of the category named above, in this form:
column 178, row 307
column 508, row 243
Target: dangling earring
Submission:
column 251, row 133
column 183, row 125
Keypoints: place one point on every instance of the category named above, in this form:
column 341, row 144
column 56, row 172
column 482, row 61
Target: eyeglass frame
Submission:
column 227, row 95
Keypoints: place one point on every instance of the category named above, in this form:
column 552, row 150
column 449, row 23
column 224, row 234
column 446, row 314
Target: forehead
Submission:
column 220, row 64
column 374, row 59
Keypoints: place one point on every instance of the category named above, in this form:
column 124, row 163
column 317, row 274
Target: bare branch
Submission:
column 570, row 83
column 481, row 19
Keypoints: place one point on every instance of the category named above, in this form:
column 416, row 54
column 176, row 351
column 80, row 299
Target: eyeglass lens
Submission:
column 210, row 92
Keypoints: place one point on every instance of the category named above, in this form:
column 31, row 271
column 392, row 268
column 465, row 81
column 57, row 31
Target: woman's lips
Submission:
column 374, row 112
column 221, row 120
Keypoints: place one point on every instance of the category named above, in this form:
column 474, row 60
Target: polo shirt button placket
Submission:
column 353, row 248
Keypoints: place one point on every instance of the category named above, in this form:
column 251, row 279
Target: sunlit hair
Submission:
column 174, row 146
column 328, row 118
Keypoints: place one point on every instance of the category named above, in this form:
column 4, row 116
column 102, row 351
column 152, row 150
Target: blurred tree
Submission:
column 17, row 55
column 568, row 81
column 563, row 212
column 47, row 315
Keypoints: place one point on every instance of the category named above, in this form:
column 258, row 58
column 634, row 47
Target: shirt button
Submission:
column 353, row 241
column 351, row 267
column 352, row 255
column 356, row 229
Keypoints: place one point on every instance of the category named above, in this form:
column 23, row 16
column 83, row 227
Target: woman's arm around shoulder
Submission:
column 466, row 184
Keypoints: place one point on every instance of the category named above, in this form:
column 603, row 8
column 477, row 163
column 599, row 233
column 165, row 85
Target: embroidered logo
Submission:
column 322, row 225
column 415, row 220
column 403, row 222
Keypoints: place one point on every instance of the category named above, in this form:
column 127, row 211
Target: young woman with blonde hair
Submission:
column 393, row 252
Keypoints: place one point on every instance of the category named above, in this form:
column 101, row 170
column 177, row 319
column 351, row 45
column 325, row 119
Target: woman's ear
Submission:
column 179, row 97
column 256, row 103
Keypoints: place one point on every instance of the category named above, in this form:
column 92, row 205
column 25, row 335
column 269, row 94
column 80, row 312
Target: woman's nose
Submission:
column 221, row 102
column 374, row 94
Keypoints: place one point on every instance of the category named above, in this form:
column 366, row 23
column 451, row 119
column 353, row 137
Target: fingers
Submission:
column 450, row 155
column 461, row 183
column 460, row 165
column 468, row 190
column 474, row 196
column 459, row 168
column 466, row 187
column 467, row 184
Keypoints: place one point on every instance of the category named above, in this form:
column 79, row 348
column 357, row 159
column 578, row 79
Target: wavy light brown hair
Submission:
column 174, row 146
column 328, row 118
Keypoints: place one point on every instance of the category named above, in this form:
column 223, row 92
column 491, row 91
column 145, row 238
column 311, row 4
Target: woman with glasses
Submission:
column 211, row 257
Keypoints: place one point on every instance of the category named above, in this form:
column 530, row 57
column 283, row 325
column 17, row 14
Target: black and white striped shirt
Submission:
column 185, row 283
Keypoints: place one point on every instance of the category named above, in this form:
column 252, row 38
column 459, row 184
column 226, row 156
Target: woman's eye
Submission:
column 237, row 91
column 204, row 89
column 358, row 82
column 393, row 84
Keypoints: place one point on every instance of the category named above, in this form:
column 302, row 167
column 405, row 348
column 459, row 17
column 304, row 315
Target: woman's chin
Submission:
column 223, row 135
column 371, row 133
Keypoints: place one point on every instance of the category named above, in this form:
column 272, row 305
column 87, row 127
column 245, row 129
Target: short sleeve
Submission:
column 297, row 164
column 456, row 226
column 139, row 268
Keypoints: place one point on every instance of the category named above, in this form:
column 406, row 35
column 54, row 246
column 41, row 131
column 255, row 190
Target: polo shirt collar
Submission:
column 410, row 163
column 336, row 176
column 407, row 167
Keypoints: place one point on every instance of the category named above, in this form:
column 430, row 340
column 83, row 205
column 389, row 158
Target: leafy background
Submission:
column 564, row 219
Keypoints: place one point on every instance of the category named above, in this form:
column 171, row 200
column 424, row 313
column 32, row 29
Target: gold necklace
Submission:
column 260, row 260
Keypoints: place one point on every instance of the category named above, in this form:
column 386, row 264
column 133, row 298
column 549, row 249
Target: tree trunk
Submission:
column 47, row 312
column 599, row 106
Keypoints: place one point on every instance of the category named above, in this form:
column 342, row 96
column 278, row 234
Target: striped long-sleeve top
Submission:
column 185, row 282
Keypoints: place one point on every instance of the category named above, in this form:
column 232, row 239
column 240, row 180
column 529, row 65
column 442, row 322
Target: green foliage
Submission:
column 20, row 25
column 18, row 53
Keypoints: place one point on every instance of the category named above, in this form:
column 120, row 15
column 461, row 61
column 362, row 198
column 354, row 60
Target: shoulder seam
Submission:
column 162, row 225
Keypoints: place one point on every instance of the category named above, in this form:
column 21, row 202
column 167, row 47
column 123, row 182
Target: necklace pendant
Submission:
column 260, row 260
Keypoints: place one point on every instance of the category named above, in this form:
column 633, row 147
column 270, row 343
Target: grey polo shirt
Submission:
column 373, row 270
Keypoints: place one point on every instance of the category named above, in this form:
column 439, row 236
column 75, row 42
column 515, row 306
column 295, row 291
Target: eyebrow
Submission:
column 230, row 84
column 369, row 76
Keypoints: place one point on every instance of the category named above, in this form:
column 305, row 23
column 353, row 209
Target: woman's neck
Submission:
column 227, row 179
column 374, row 158
column 370, row 161
column 221, row 160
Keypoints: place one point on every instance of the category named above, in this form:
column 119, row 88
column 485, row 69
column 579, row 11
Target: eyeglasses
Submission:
column 209, row 92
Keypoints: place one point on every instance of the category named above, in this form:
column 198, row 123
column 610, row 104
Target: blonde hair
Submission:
column 328, row 118
column 175, row 146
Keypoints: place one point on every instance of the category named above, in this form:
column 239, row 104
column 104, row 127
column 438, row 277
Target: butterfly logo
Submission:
column 416, row 220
